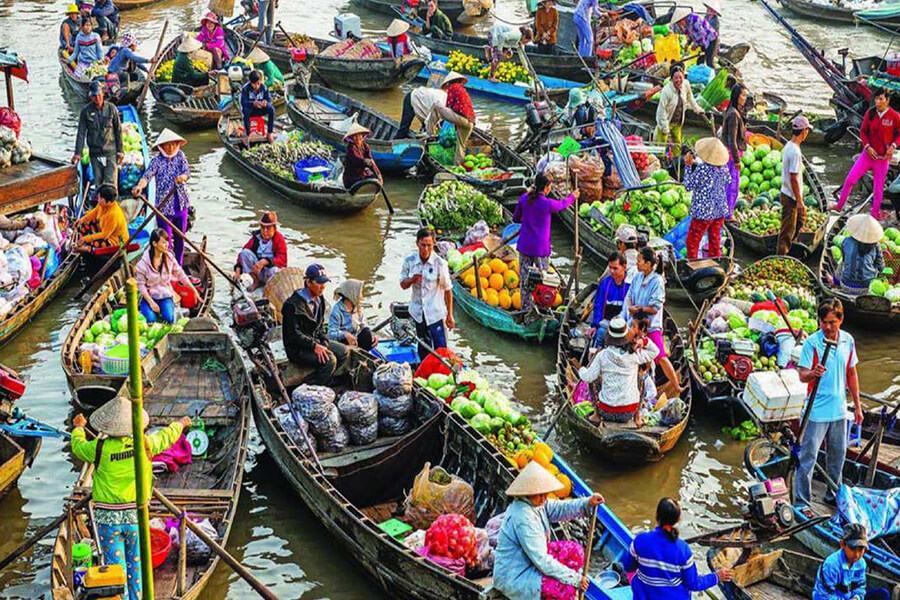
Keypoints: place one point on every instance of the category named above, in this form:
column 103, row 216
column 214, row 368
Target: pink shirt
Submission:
column 216, row 40
column 158, row 284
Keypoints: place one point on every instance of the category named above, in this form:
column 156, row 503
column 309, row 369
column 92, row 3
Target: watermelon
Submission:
column 745, row 181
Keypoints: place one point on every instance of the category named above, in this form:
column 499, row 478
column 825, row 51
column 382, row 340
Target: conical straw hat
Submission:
column 451, row 77
column 679, row 13
column 397, row 27
column 114, row 418
column 354, row 129
column 257, row 57
column 714, row 5
column 189, row 45
column 534, row 479
column 166, row 136
column 865, row 228
column 712, row 151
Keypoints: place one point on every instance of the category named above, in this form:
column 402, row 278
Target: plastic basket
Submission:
column 114, row 360
column 301, row 167
column 395, row 528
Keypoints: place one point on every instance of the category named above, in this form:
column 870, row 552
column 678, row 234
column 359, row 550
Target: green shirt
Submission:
column 114, row 482
column 441, row 27
column 184, row 71
column 272, row 74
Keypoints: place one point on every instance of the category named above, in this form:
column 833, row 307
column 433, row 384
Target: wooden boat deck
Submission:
column 31, row 183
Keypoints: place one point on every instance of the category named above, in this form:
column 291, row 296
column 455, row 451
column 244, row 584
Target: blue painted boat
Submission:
column 327, row 114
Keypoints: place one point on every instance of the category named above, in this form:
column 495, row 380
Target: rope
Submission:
column 211, row 364
column 514, row 23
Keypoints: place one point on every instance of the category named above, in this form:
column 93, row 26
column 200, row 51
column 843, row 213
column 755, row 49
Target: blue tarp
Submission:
column 877, row 510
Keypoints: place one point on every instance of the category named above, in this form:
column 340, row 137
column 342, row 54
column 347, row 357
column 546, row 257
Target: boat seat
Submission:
column 293, row 375
column 354, row 454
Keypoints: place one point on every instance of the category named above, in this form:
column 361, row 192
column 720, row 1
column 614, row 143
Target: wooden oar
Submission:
column 42, row 533
column 150, row 73
column 587, row 551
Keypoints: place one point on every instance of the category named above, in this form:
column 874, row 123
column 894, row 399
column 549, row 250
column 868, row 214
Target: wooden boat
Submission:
column 454, row 9
column 327, row 114
column 328, row 197
column 616, row 442
column 504, row 158
column 559, row 63
column 885, row 15
column 35, row 182
column 133, row 4
column 92, row 390
column 209, row 488
column 361, row 487
column 725, row 393
column 764, row 460
column 16, row 454
column 866, row 309
column 81, row 86
column 193, row 113
column 168, row 53
column 771, row 573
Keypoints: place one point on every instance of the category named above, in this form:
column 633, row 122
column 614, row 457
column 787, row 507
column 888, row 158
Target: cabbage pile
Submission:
column 890, row 247
column 455, row 205
column 12, row 150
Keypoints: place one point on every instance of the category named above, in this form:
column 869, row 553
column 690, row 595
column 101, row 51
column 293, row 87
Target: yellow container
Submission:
column 105, row 582
column 667, row 48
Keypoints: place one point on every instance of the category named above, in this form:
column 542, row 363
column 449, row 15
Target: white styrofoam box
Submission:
column 775, row 395
column 347, row 24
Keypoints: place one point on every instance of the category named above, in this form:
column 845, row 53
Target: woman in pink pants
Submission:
column 880, row 135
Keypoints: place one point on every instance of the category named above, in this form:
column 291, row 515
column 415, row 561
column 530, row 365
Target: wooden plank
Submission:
column 35, row 182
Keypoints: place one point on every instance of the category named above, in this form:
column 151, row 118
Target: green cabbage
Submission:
column 437, row 380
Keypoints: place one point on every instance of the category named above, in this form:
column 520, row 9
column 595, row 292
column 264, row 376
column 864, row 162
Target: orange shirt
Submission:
column 546, row 21
column 113, row 226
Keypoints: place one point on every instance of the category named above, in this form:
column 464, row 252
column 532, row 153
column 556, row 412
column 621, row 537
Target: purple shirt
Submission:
column 165, row 170
column 534, row 237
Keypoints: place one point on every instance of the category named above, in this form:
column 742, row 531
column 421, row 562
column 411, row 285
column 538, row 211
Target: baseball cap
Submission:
column 800, row 122
column 855, row 536
column 96, row 88
column 626, row 233
column 316, row 272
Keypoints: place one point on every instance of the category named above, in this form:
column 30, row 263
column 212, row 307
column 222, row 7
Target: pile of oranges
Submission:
column 499, row 281
column 542, row 454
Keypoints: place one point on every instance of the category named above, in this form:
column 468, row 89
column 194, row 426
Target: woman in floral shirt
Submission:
column 709, row 182
column 171, row 170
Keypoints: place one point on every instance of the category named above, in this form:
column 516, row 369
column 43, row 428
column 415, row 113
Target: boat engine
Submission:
column 251, row 322
column 11, row 389
column 770, row 505
column 403, row 328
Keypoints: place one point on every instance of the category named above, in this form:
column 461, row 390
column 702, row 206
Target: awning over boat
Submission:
column 12, row 64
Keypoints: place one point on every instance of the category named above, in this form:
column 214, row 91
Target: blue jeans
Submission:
column 262, row 21
column 600, row 334
column 251, row 111
column 585, row 36
column 434, row 335
column 166, row 310
column 120, row 546
column 834, row 434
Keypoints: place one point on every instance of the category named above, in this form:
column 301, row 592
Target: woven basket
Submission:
column 284, row 283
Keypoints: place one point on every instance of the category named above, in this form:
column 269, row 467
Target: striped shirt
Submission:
column 665, row 569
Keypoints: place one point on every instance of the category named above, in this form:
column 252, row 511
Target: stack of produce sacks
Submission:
column 393, row 384
column 316, row 405
column 12, row 150
column 359, row 410
column 295, row 426
column 24, row 251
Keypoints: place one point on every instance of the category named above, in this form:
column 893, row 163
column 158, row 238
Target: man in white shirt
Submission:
column 793, row 211
column 431, row 302
column 420, row 103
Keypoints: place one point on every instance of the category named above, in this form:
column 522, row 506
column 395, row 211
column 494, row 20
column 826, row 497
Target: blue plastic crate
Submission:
column 394, row 351
column 302, row 168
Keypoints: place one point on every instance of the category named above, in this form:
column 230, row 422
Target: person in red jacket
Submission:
column 264, row 254
column 880, row 134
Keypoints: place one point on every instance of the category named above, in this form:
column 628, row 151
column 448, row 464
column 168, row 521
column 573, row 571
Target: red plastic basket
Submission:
column 160, row 546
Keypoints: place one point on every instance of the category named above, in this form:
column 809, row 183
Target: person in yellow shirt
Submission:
column 104, row 225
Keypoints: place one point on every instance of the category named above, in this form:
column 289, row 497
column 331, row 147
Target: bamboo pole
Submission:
column 152, row 71
column 587, row 551
column 137, row 433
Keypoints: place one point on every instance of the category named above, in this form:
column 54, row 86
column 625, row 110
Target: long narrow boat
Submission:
column 883, row 13
column 616, row 442
column 327, row 115
column 868, row 310
column 133, row 4
column 16, row 454
column 765, row 460
column 326, row 197
column 179, row 383
column 168, row 53
column 81, row 86
column 361, row 487
column 92, row 389
column 454, row 9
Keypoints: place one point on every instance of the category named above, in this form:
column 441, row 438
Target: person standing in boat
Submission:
column 107, row 16
column 68, row 31
column 521, row 560
column 584, row 29
column 880, row 136
column 712, row 17
column 431, row 299
column 420, row 102
column 842, row 575
column 793, row 209
column 359, row 163
column 546, row 25
column 100, row 128
column 458, row 111
column 626, row 244
column 700, row 31
column 503, row 40
column 303, row 330
column 828, row 418
column 170, row 168
column 674, row 100
column 114, row 487
column 257, row 102
column 610, row 297
column 436, row 24
column 709, row 183
column 264, row 21
column 734, row 136
column 264, row 254
column 534, row 211
column 398, row 42
column 155, row 273
column 862, row 259
column 347, row 324
column 664, row 563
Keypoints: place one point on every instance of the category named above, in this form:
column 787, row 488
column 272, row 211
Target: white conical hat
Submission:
column 166, row 136
column 189, row 44
column 680, row 13
column 354, row 129
column 534, row 479
column 397, row 27
column 114, row 418
column 714, row 5
column 451, row 77
column 865, row 228
column 712, row 151
column 257, row 57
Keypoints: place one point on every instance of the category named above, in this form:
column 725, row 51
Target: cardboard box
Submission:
column 773, row 396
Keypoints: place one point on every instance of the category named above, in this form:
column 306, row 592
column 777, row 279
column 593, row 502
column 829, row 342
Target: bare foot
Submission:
column 270, row 137
column 246, row 141
column 638, row 421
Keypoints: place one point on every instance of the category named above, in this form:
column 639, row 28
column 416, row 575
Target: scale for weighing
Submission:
column 198, row 438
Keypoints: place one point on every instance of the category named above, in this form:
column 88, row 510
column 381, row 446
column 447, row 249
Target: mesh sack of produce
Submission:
column 289, row 424
column 313, row 401
column 325, row 425
column 484, row 552
column 362, row 435
column 395, row 408
column 196, row 550
column 591, row 191
column 392, row 426
column 570, row 554
column 336, row 440
column 436, row 492
column 393, row 379
column 358, row 408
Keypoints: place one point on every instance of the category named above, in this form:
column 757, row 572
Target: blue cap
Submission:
column 96, row 88
column 316, row 272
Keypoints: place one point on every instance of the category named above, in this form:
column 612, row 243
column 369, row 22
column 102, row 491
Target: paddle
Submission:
column 588, row 549
column 42, row 533
column 140, row 100
column 780, row 310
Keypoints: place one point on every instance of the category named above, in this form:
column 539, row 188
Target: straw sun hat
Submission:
column 712, row 151
column 865, row 228
column 680, row 13
column 114, row 418
column 257, row 57
column 189, row 44
column 354, row 129
column 451, row 77
column 714, row 5
column 397, row 27
column 533, row 480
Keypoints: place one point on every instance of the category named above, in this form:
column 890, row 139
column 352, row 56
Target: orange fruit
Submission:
column 553, row 469
column 514, row 266
column 498, row 266
column 552, row 496
column 491, row 297
column 496, row 281
column 517, row 300
column 484, row 283
column 467, row 272
column 511, row 279
column 523, row 457
column 469, row 279
column 474, row 292
column 543, row 447
column 567, row 490
column 557, row 301
column 484, row 270
column 505, row 299
column 542, row 458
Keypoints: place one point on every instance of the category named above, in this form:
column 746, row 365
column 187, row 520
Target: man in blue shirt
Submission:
column 610, row 297
column 126, row 62
column 256, row 102
column 842, row 575
column 827, row 421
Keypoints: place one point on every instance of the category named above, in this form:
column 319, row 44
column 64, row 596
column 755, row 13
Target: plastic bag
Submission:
column 415, row 540
column 484, row 552
column 326, row 425
column 394, row 408
column 337, row 442
column 476, row 233
column 454, row 565
column 391, row 426
column 447, row 135
column 313, row 401
column 570, row 554
column 492, row 527
column 358, row 408
column 362, row 435
column 19, row 262
column 197, row 551
column 295, row 433
column 436, row 492
column 393, row 379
